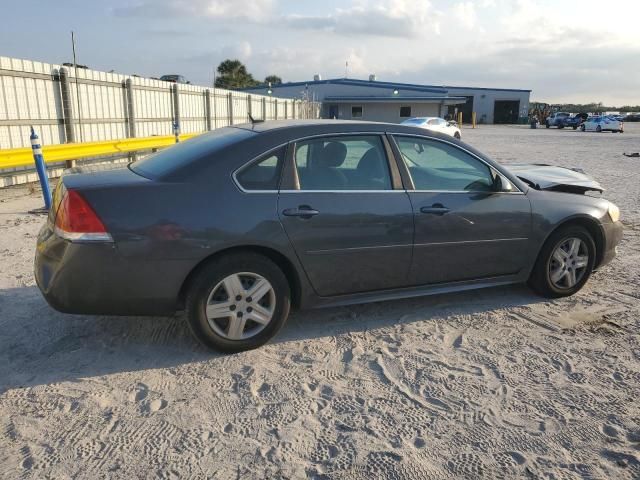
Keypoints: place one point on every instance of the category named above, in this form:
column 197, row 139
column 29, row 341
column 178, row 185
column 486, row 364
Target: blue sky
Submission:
column 569, row 50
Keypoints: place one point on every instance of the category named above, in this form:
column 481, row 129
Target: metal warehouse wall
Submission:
column 106, row 106
column 384, row 112
column 484, row 100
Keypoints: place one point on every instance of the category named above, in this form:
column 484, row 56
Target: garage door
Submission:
column 506, row 111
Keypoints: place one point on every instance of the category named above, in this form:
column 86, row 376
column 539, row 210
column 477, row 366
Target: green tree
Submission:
column 273, row 79
column 233, row 74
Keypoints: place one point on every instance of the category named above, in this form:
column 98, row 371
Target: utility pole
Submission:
column 75, row 72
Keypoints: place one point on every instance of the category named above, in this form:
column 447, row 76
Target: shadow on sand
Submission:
column 40, row 346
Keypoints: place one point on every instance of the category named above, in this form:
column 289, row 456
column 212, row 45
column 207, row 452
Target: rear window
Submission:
column 182, row 154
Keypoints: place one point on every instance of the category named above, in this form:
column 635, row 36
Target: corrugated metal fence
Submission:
column 98, row 105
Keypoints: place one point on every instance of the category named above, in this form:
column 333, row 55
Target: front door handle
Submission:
column 303, row 211
column 435, row 209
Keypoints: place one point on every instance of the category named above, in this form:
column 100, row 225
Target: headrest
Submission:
column 371, row 164
column 332, row 155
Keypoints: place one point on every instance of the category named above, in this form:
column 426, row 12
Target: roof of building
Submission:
column 378, row 84
column 397, row 99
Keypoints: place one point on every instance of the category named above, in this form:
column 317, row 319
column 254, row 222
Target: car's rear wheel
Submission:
column 598, row 129
column 583, row 128
column 238, row 302
column 548, row 125
column 575, row 127
column 565, row 263
column 457, row 135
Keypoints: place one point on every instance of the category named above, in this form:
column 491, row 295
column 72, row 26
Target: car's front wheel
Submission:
column 583, row 128
column 238, row 302
column 565, row 262
column 457, row 135
column 598, row 129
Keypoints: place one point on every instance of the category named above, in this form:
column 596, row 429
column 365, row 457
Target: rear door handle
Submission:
column 435, row 210
column 303, row 211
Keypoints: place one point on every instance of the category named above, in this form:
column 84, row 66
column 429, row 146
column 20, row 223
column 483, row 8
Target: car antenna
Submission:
column 254, row 121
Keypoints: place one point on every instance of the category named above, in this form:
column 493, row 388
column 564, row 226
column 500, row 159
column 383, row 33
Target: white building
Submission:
column 347, row 98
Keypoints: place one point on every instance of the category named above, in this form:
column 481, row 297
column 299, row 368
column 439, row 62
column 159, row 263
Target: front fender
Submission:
column 550, row 210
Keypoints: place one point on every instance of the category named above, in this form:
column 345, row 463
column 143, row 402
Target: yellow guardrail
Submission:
column 21, row 157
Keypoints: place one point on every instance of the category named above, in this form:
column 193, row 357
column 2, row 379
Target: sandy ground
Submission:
column 489, row 384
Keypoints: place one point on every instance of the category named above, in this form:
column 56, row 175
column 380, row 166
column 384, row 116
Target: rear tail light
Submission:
column 77, row 221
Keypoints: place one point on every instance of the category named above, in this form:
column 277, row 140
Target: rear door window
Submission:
column 342, row 163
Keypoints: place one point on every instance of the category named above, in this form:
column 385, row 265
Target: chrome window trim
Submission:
column 491, row 167
column 393, row 134
column 475, row 192
column 343, row 191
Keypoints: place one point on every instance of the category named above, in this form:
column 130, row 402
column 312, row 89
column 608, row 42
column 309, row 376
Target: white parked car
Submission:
column 601, row 124
column 435, row 124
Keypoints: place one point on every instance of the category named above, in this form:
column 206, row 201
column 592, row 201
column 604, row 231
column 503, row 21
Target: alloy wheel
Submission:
column 568, row 263
column 240, row 306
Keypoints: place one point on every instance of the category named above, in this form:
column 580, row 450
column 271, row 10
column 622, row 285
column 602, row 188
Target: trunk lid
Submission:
column 90, row 177
column 95, row 176
column 560, row 179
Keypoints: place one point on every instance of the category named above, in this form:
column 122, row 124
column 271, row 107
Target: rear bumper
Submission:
column 93, row 278
column 612, row 237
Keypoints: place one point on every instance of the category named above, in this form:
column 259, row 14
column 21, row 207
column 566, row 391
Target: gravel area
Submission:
column 496, row 383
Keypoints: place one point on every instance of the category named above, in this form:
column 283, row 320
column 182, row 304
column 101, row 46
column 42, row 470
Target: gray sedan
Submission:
column 241, row 224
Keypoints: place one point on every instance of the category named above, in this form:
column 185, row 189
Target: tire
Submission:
column 598, row 129
column 583, row 128
column 575, row 127
column 456, row 135
column 216, row 332
column 548, row 125
column 541, row 279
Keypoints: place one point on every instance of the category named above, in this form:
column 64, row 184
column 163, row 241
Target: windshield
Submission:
column 173, row 158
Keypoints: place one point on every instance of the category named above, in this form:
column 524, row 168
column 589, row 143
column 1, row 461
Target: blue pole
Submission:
column 41, row 168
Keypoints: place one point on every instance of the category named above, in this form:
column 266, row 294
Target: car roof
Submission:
column 281, row 124
column 321, row 126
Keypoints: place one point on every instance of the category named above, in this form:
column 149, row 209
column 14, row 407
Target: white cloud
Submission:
column 253, row 10
column 536, row 44
column 383, row 18
column 465, row 13
column 241, row 51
